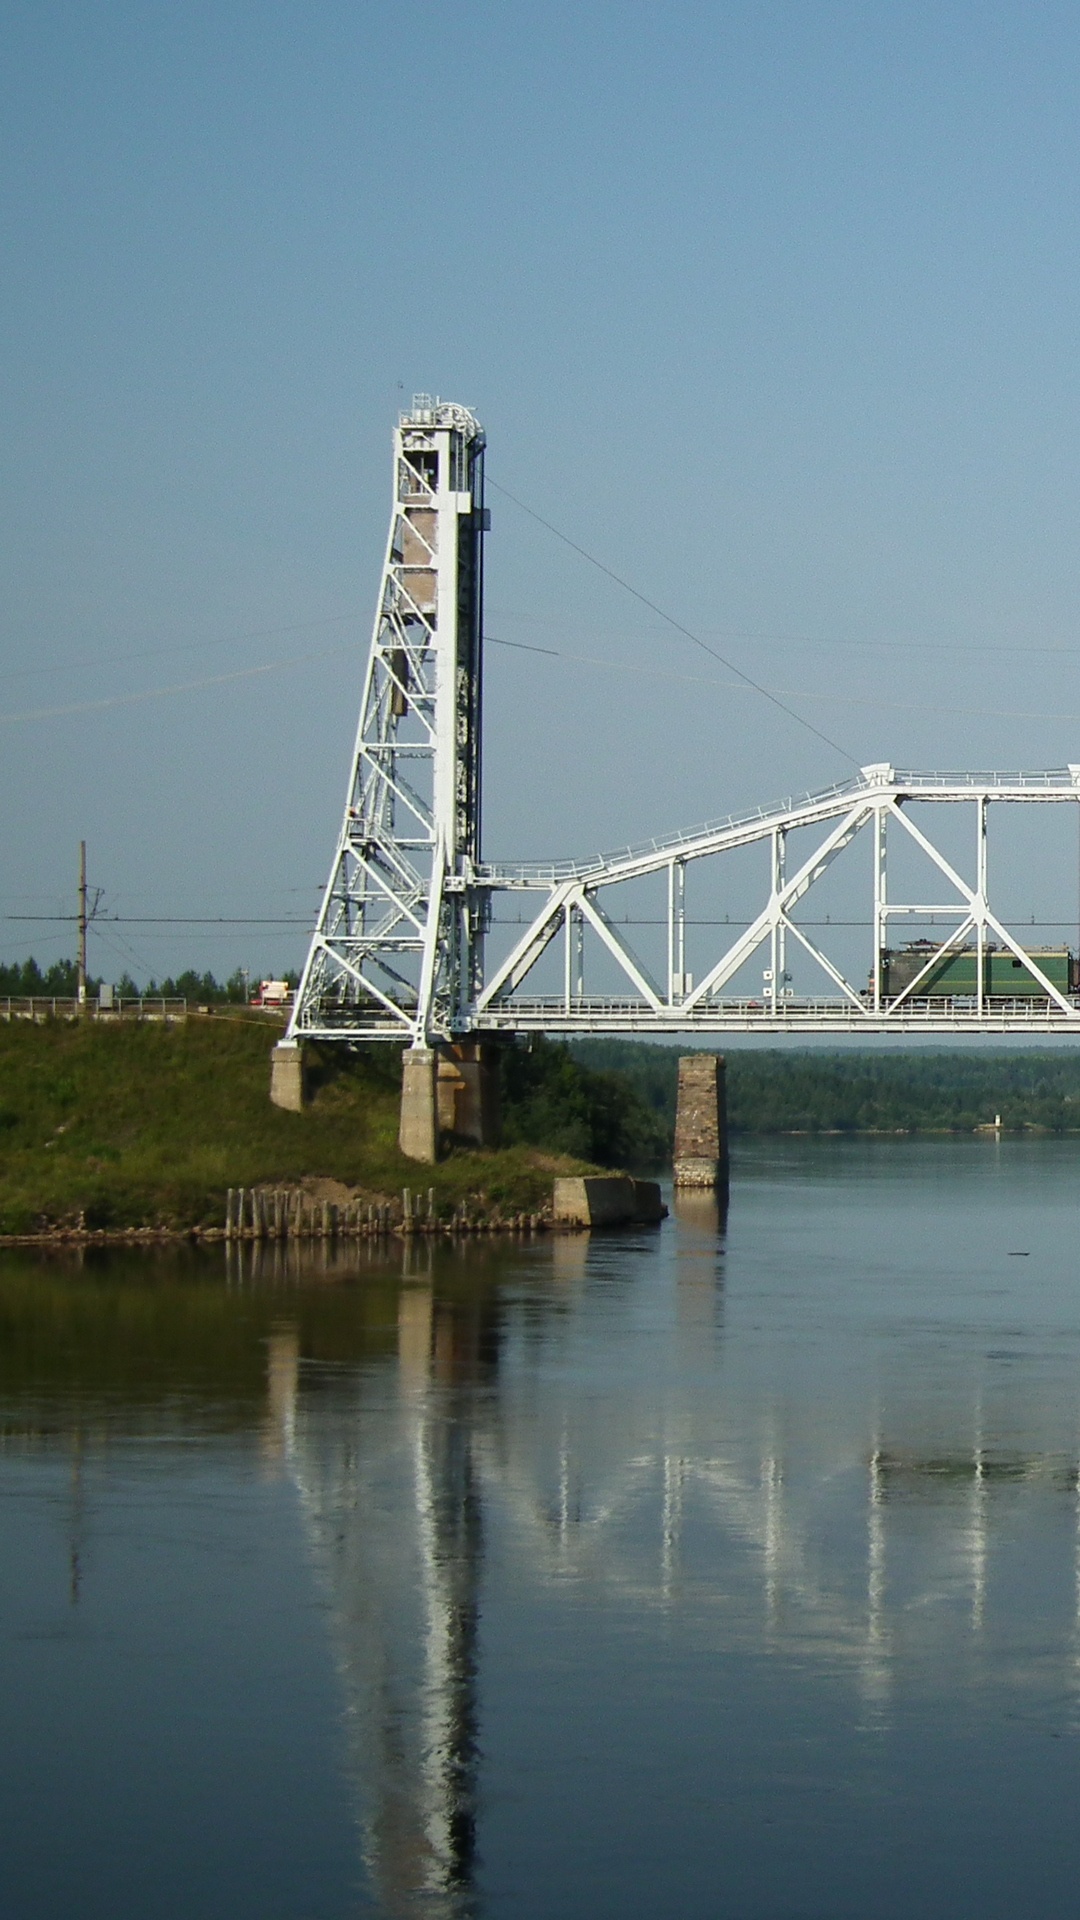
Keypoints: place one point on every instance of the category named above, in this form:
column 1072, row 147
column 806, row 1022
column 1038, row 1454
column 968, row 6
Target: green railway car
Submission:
column 956, row 974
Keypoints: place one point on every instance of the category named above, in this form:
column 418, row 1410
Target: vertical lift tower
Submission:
column 397, row 949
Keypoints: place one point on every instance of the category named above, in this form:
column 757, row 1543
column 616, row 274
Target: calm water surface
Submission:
column 687, row 1572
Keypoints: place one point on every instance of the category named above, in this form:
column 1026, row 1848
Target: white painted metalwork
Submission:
column 399, row 949
column 394, row 952
column 876, row 800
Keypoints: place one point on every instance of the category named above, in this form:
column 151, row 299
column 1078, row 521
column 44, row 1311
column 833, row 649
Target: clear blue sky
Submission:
column 774, row 307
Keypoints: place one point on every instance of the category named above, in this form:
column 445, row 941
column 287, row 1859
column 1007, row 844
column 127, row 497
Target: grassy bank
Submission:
column 149, row 1125
column 144, row 1125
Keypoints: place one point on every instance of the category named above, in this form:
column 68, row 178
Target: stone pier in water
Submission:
column 701, row 1155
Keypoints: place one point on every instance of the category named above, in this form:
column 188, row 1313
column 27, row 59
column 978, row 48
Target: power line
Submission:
column 164, row 653
column 637, row 920
column 794, row 693
column 159, row 693
column 663, row 614
column 118, row 943
column 166, row 920
column 1015, row 649
column 743, row 682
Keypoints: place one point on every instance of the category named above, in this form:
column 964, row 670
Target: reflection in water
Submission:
column 282, row 1380
column 875, row 1666
column 621, row 1500
column 75, row 1548
column 701, row 1210
column 641, row 1462
column 386, row 1468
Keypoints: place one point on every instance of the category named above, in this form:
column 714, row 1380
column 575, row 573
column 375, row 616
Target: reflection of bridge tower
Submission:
column 384, row 1462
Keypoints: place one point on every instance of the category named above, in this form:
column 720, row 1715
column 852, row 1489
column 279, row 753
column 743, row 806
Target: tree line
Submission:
column 917, row 1090
column 25, row 979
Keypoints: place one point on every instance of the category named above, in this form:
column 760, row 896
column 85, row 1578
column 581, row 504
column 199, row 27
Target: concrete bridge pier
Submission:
column 288, row 1086
column 449, row 1092
column 701, row 1149
column 418, row 1129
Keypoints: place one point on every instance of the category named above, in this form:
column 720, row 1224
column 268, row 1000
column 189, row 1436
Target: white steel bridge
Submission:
column 410, row 944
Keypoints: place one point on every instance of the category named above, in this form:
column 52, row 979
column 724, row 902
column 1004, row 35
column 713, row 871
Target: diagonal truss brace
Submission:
column 878, row 796
column 775, row 913
column 981, row 914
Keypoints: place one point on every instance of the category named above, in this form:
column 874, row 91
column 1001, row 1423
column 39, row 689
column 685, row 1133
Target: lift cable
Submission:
column 663, row 614
column 816, row 642
column 793, row 693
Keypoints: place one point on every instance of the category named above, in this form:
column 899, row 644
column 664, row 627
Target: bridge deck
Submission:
column 597, row 1015
column 808, row 1017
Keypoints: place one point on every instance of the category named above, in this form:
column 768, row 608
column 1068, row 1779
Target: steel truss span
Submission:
column 873, row 805
column 402, row 948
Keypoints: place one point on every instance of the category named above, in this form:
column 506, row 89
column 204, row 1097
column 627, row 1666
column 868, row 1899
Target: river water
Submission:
column 702, row 1570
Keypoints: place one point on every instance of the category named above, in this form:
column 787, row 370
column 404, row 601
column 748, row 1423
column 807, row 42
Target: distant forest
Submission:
column 774, row 1091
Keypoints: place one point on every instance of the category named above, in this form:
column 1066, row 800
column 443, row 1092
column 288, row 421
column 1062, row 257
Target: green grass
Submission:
column 146, row 1125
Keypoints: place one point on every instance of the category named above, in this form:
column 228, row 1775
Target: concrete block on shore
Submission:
column 606, row 1200
column 648, row 1206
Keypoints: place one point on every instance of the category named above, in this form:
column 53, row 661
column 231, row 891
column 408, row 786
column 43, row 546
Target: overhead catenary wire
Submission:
column 734, row 921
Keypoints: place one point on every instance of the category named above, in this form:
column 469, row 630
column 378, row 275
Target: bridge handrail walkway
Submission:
column 809, row 808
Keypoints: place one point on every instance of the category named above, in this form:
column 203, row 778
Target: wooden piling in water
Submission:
column 282, row 1214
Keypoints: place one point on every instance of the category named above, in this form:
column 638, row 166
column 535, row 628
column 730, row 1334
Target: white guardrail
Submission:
column 53, row 1007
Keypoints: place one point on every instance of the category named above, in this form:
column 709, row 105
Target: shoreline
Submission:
column 524, row 1225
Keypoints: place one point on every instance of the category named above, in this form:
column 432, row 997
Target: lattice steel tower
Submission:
column 397, row 950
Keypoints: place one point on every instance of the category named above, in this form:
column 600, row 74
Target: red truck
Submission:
column 272, row 993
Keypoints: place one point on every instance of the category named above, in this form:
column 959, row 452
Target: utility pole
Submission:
column 82, row 923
